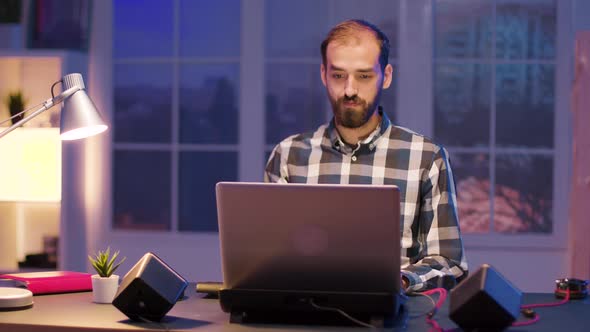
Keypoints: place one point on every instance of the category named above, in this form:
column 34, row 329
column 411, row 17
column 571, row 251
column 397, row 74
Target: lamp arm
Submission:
column 49, row 103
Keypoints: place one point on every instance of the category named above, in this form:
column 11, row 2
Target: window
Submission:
column 176, row 78
column 177, row 87
column 494, row 109
column 180, row 121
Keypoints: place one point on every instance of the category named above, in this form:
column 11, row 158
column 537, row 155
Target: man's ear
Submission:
column 387, row 76
column 323, row 73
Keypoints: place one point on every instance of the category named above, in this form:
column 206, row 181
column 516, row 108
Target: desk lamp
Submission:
column 79, row 118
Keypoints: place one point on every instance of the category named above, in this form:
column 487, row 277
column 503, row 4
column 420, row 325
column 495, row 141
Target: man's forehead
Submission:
column 360, row 53
column 354, row 39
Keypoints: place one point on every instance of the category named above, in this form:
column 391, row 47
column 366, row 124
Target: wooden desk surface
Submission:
column 76, row 311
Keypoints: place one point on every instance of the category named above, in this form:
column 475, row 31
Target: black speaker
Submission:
column 149, row 290
column 485, row 300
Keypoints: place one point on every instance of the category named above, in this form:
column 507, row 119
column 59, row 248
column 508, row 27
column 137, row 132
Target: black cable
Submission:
column 356, row 321
column 53, row 85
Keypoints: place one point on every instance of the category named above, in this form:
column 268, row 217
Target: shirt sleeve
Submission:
column 441, row 262
column 272, row 172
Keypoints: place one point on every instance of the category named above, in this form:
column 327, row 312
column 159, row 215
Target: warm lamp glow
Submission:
column 30, row 165
column 80, row 133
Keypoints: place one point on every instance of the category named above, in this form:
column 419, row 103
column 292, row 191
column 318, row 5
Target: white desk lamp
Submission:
column 79, row 117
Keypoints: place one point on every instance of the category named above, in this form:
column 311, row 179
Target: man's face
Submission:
column 353, row 78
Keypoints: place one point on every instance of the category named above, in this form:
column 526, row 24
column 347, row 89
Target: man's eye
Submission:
column 364, row 76
column 337, row 76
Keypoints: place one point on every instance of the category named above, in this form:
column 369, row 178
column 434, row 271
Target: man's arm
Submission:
column 441, row 262
column 272, row 173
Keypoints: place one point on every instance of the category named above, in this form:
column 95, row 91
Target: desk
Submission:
column 76, row 312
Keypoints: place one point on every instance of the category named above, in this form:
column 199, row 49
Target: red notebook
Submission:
column 52, row 281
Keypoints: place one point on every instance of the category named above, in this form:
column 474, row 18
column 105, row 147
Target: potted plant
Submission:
column 105, row 283
column 16, row 104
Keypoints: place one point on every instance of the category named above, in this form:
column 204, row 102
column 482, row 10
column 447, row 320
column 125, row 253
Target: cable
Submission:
column 527, row 310
column 442, row 296
column 427, row 312
column 361, row 323
column 53, row 85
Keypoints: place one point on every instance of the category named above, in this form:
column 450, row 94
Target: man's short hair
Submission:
column 349, row 28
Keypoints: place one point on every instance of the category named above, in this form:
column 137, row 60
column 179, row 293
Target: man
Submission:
column 360, row 146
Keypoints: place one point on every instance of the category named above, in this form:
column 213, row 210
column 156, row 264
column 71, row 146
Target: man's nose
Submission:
column 350, row 89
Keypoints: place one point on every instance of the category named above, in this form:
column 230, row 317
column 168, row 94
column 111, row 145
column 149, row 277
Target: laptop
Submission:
column 281, row 241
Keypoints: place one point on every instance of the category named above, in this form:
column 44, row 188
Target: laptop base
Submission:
column 258, row 306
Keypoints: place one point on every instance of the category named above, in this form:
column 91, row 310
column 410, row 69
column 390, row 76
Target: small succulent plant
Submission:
column 16, row 103
column 104, row 263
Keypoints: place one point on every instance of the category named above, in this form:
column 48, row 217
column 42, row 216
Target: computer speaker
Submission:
column 149, row 290
column 485, row 300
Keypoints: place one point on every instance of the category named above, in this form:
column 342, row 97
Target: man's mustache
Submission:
column 355, row 99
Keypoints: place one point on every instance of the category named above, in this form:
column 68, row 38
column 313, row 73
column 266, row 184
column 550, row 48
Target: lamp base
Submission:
column 12, row 298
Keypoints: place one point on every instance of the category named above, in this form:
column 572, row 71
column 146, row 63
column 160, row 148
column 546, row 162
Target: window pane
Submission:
column 524, row 105
column 209, row 103
column 526, row 29
column 142, row 28
column 295, row 28
column 199, row 172
column 295, row 100
column 523, row 194
column 462, row 104
column 143, row 102
column 472, row 176
column 463, row 28
column 383, row 13
column 141, row 190
column 210, row 28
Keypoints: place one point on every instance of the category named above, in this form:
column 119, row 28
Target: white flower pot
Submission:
column 104, row 289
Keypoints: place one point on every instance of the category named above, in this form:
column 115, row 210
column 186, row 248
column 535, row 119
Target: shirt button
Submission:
column 353, row 158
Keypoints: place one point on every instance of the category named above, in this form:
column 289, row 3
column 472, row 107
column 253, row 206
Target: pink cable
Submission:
column 435, row 326
column 528, row 322
column 539, row 305
column 442, row 296
column 552, row 304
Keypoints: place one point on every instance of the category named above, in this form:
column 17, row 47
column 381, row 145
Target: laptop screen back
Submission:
column 309, row 237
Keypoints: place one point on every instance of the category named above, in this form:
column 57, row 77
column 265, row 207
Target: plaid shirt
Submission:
column 432, row 250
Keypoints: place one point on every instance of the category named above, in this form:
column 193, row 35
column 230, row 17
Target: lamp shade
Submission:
column 79, row 116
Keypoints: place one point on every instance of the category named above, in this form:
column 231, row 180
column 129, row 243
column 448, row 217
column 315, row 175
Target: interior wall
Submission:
column 530, row 270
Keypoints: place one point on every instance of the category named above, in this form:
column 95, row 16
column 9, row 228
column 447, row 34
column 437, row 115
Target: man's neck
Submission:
column 353, row 136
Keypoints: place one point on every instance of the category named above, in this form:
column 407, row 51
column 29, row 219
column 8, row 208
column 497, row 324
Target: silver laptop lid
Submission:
column 309, row 237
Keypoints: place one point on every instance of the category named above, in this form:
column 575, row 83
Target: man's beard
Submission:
column 352, row 117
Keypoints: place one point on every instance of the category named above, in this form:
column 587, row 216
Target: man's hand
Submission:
column 405, row 283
